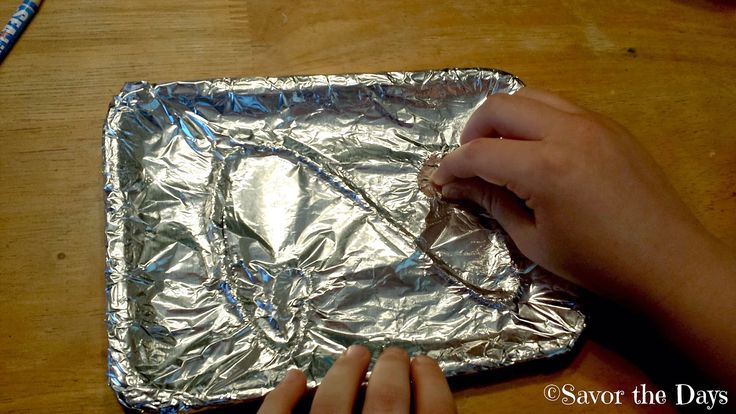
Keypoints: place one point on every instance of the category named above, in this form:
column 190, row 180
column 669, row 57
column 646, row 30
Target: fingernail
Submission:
column 355, row 351
column 291, row 375
column 431, row 177
column 450, row 191
column 423, row 359
column 395, row 350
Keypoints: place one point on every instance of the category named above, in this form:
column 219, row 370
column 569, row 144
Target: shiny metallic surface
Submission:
column 261, row 224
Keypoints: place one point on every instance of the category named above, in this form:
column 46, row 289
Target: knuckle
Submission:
column 556, row 161
column 587, row 128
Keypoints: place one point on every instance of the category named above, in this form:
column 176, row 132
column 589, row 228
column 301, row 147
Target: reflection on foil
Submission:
column 261, row 224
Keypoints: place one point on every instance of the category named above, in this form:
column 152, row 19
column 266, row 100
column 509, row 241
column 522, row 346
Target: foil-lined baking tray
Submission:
column 260, row 224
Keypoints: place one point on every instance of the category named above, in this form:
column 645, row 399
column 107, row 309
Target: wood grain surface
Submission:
column 663, row 68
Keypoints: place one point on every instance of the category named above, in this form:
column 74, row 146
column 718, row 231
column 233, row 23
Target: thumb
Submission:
column 501, row 204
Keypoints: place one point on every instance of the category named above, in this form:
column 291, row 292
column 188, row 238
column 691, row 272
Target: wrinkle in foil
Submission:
column 261, row 224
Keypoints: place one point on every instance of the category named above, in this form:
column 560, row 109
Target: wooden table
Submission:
column 664, row 68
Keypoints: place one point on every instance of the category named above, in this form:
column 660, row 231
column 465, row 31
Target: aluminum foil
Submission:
column 256, row 225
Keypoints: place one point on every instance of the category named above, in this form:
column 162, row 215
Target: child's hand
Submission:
column 579, row 196
column 389, row 388
column 573, row 189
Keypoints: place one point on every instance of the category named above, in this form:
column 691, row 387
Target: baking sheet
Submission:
column 260, row 224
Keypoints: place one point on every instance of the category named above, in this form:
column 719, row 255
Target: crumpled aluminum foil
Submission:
column 256, row 225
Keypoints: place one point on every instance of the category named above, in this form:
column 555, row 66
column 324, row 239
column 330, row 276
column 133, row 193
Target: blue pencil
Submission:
column 17, row 23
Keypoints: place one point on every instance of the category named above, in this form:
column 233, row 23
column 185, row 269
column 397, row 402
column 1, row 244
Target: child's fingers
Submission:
column 388, row 389
column 501, row 204
column 337, row 392
column 514, row 116
column 286, row 395
column 564, row 105
column 550, row 99
column 497, row 161
column 431, row 392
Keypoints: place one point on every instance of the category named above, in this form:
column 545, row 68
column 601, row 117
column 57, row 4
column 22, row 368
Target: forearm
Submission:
column 694, row 306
